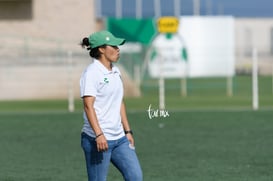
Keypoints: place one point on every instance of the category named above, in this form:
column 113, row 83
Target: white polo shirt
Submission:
column 107, row 88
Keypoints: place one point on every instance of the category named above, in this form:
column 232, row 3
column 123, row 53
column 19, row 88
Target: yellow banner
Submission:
column 167, row 24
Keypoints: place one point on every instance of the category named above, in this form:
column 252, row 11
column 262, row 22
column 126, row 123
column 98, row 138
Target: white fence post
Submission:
column 255, row 88
column 71, row 106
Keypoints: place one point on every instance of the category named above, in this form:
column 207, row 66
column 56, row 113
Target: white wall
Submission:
column 60, row 19
column 250, row 33
column 255, row 31
column 210, row 44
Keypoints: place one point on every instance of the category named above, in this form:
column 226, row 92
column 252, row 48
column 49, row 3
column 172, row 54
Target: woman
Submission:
column 106, row 133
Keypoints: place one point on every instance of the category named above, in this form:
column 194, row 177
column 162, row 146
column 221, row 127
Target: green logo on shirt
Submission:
column 106, row 80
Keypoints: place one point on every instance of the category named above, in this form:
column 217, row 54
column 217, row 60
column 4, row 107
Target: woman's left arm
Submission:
column 125, row 123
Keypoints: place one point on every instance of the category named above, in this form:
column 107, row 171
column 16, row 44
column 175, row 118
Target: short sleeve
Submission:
column 88, row 84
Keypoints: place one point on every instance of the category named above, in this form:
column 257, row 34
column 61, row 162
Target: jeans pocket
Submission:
column 86, row 145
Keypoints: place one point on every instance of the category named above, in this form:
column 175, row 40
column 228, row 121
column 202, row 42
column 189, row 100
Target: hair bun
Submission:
column 85, row 43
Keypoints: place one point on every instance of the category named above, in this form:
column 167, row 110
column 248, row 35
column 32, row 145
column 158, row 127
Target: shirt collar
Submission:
column 102, row 68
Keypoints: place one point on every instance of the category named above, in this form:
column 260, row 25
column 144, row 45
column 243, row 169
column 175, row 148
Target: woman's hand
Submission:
column 131, row 139
column 102, row 144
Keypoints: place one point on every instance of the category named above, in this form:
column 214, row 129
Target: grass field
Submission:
column 207, row 137
column 190, row 145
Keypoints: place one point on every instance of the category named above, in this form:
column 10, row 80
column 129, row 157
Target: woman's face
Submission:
column 111, row 53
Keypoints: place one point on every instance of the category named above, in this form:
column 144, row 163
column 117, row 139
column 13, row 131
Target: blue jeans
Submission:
column 119, row 153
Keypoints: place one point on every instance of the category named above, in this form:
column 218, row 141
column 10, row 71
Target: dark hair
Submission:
column 85, row 43
column 93, row 52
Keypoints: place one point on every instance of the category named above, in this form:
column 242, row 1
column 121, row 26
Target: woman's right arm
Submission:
column 88, row 102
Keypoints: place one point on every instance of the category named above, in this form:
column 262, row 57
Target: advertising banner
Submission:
column 203, row 47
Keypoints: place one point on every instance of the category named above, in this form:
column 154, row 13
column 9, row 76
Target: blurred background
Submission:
column 210, row 75
column 40, row 56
